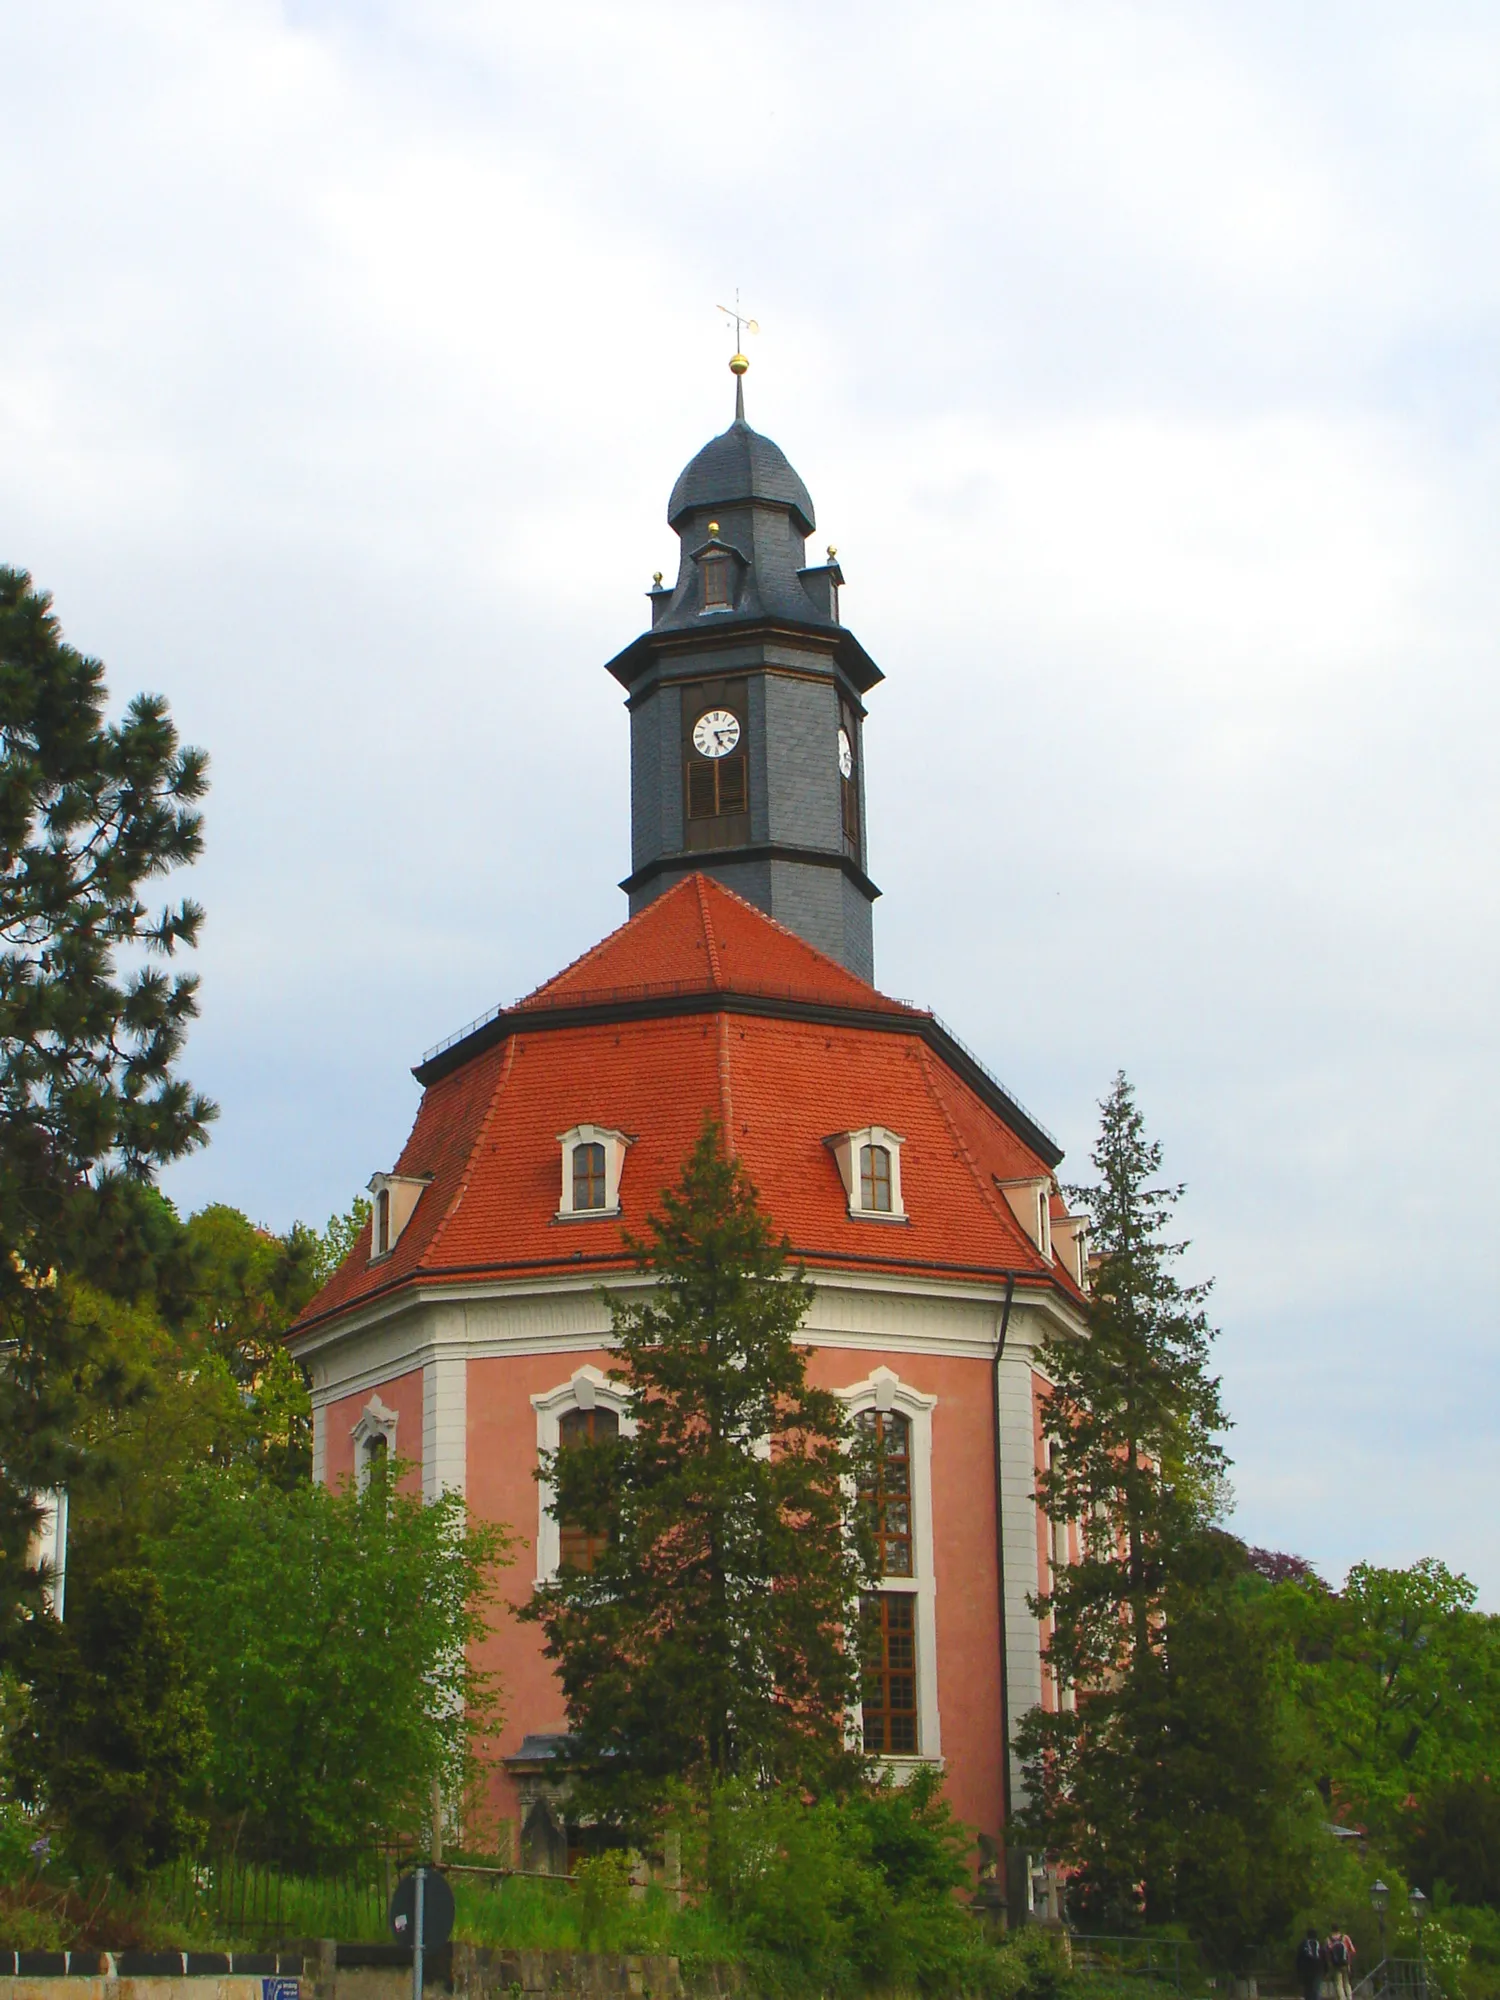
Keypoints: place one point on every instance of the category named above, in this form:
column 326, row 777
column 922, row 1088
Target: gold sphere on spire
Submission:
column 738, row 363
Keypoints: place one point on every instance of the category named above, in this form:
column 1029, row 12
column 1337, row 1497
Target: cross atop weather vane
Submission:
column 743, row 324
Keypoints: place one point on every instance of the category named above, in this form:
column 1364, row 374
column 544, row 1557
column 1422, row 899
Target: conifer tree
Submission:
column 91, row 1029
column 1131, row 1424
column 709, row 1638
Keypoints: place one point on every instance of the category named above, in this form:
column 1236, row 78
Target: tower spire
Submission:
column 738, row 361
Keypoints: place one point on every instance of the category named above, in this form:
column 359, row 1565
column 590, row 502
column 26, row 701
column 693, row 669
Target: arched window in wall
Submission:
column 889, row 1616
column 578, row 1547
column 885, row 1487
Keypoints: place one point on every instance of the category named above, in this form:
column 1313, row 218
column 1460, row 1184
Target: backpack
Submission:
column 1309, row 1955
column 1338, row 1953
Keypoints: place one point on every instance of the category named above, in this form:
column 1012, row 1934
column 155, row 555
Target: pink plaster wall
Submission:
column 501, row 1487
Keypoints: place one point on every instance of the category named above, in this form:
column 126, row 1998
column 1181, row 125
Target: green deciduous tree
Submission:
column 331, row 1634
column 91, row 1029
column 1169, row 1781
column 709, row 1639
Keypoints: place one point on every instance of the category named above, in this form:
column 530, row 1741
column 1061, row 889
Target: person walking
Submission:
column 1310, row 1965
column 1340, row 1950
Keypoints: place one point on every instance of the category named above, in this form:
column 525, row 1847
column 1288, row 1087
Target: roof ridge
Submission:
column 989, row 1195
column 796, row 936
column 496, row 1093
column 595, row 949
column 715, row 968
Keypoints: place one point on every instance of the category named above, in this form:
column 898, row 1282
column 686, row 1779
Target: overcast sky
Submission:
column 1142, row 363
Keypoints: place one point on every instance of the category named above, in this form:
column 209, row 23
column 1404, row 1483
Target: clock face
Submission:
column 846, row 755
column 715, row 733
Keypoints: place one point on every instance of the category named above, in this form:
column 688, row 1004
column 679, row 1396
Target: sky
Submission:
column 1143, row 361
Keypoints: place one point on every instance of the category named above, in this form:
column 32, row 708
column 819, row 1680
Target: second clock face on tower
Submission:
column 715, row 733
column 846, row 755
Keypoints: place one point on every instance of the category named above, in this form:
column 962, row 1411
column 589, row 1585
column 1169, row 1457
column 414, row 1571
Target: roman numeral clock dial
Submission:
column 715, row 733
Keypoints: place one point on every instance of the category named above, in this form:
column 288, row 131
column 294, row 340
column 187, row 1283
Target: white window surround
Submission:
column 589, row 1388
column 884, row 1390
column 845, row 1148
column 402, row 1193
column 375, row 1421
column 614, row 1144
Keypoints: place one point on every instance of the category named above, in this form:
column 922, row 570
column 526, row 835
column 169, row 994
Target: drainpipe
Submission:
column 1010, row 1292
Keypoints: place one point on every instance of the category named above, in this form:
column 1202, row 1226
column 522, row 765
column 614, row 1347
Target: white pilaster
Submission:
column 1023, row 1650
column 319, row 1441
column 445, row 1423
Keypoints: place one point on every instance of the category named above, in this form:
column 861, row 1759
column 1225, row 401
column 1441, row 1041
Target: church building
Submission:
column 465, row 1331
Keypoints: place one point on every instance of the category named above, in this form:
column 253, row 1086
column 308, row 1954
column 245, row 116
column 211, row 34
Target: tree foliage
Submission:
column 1169, row 1781
column 331, row 1634
column 91, row 1029
column 111, row 1737
column 709, row 1639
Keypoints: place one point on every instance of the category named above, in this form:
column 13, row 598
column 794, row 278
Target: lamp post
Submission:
column 1380, row 1898
column 1417, row 1903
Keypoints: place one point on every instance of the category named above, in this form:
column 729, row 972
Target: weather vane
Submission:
column 743, row 324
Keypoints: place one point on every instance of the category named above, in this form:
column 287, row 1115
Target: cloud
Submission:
column 1141, row 361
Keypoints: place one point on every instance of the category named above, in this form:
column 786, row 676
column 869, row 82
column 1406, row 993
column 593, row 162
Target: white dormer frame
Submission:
column 883, row 1389
column 1070, row 1238
column 1030, row 1200
column 614, row 1144
column 375, row 1421
column 402, row 1192
column 589, row 1388
column 846, row 1147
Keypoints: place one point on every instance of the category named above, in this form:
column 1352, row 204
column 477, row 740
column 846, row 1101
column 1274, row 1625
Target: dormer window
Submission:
column 869, row 1163
column 593, row 1158
column 393, row 1202
column 1030, row 1202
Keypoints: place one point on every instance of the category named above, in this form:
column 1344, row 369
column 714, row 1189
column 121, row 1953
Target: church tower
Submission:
column 746, row 706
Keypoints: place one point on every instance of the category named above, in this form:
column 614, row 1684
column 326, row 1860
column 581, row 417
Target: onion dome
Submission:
column 737, row 467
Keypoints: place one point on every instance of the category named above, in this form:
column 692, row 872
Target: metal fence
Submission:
column 1397, row 1979
column 1165, row 1960
column 255, row 1901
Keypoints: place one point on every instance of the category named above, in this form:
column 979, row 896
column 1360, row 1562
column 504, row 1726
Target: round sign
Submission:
column 437, row 1911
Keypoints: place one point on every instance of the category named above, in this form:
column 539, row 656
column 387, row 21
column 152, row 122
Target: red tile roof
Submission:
column 778, row 1082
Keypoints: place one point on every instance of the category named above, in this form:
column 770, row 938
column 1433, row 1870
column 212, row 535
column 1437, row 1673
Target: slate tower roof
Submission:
column 770, row 797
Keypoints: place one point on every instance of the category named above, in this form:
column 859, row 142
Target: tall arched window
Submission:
column 588, row 1176
column 875, row 1179
column 575, row 1427
column 885, row 1487
column 382, row 1222
column 889, row 1708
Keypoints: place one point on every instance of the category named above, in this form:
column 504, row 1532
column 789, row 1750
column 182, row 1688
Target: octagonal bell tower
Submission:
column 746, row 706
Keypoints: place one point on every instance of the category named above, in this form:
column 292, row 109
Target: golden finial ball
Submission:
column 656, row 578
column 713, row 527
column 738, row 363
column 832, row 552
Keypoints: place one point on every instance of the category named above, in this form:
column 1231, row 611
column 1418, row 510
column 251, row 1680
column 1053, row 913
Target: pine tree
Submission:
column 710, row 1637
column 91, row 1030
column 1131, row 1424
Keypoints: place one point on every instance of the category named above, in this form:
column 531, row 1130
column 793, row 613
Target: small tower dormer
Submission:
column 746, row 705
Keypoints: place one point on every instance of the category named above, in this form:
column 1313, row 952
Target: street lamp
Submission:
column 1380, row 1897
column 1417, row 1903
